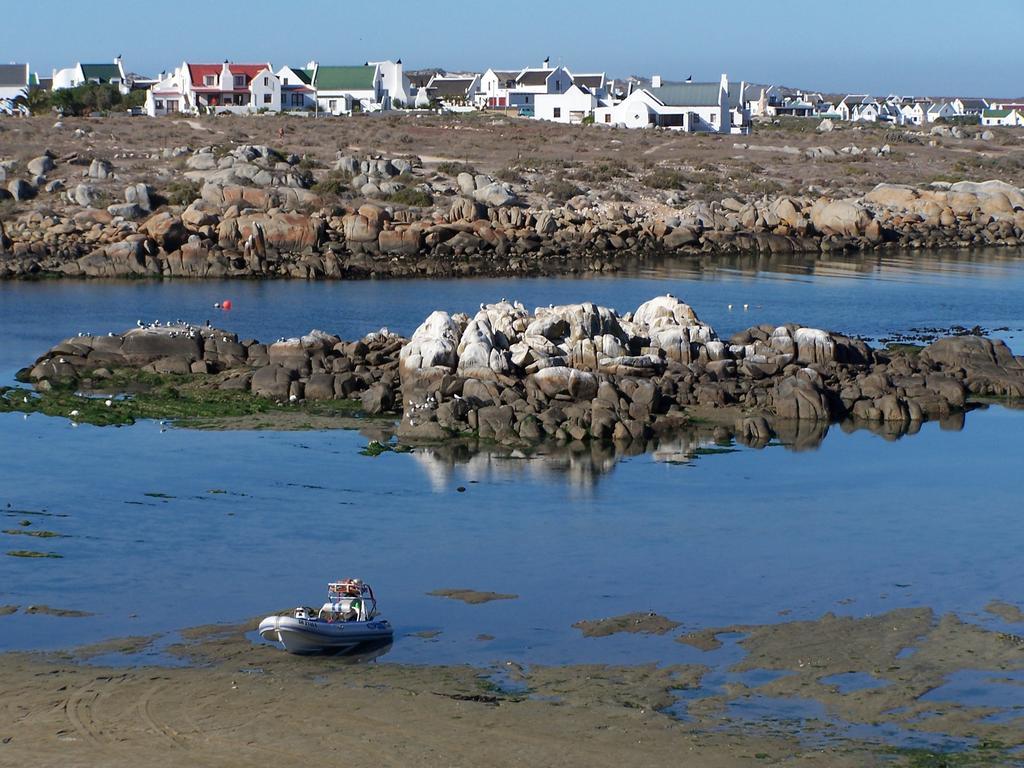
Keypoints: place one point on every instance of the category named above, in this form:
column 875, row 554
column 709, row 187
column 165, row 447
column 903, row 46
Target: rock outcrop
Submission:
column 575, row 372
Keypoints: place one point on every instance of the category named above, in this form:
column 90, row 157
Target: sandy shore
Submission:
column 237, row 703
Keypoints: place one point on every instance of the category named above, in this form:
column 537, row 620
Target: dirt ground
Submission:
column 236, row 703
column 636, row 164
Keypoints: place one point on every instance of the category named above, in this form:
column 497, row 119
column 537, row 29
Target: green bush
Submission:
column 663, row 178
column 333, row 184
column 452, row 168
column 90, row 97
column 182, row 192
column 559, row 189
column 412, row 197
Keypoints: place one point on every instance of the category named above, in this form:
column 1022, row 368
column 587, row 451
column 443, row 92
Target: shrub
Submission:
column 509, row 174
column 560, row 189
column 411, row 196
column 182, row 192
column 333, row 184
column 452, row 168
column 663, row 178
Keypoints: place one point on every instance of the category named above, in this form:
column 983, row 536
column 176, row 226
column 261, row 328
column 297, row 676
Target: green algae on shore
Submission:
column 192, row 400
column 31, row 553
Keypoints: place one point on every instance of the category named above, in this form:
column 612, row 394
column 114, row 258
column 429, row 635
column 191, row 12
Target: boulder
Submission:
column 273, row 381
column 840, row 217
column 140, row 194
column 495, row 195
column 40, row 166
column 166, row 229
column 100, row 169
column 85, row 195
column 21, row 189
column 377, row 399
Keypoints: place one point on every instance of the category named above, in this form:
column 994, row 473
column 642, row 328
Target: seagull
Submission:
column 110, row 333
column 108, row 403
column 139, row 323
column 74, row 413
column 745, row 307
column 24, row 399
column 62, row 360
column 293, row 398
column 729, row 307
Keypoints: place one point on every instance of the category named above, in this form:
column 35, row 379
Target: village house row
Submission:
column 546, row 92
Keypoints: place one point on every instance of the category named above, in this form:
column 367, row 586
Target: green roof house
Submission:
column 80, row 74
column 335, row 90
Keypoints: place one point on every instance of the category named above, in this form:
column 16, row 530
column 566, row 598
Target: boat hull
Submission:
column 310, row 636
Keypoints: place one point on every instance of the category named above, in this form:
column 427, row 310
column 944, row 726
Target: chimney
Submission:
column 310, row 65
column 547, row 61
column 656, row 81
column 724, row 86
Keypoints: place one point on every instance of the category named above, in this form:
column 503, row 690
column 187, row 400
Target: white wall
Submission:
column 572, row 106
column 266, row 92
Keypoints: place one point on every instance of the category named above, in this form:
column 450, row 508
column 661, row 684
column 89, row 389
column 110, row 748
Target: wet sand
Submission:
column 236, row 703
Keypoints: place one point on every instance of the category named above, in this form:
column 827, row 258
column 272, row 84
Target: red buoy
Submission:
column 226, row 304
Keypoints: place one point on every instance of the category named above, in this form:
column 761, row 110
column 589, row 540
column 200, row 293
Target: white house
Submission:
column 495, row 86
column 846, row 108
column 342, row 90
column 572, row 106
column 216, row 88
column 679, row 106
column 15, row 81
column 595, row 82
column 531, row 82
column 80, row 74
column 940, row 109
column 297, row 92
column 396, row 85
column 969, row 106
column 915, row 113
column 1003, row 117
column 456, row 92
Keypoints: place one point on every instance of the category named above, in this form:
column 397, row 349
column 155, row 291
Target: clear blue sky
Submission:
column 937, row 47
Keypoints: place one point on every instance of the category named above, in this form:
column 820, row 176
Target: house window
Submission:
column 159, row 104
column 714, row 119
column 266, row 81
column 210, row 80
column 332, row 104
column 267, row 97
column 239, row 81
column 285, row 81
column 607, row 117
column 557, row 112
column 172, row 105
column 296, row 99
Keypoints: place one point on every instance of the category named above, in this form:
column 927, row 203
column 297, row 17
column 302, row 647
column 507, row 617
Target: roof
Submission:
column 199, row 71
column 589, row 81
column 13, row 75
column 360, row 78
column 534, row 76
column 974, row 103
column 102, row 72
column 506, row 74
column 996, row 113
column 450, row 86
column 687, row 94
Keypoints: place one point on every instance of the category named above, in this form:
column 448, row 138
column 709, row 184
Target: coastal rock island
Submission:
column 573, row 372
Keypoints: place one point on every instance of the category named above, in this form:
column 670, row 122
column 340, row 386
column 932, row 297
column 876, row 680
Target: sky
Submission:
column 909, row 47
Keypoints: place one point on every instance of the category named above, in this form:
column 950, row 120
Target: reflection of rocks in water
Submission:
column 583, row 463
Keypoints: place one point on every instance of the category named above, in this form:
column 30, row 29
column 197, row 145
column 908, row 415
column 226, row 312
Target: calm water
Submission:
column 858, row 526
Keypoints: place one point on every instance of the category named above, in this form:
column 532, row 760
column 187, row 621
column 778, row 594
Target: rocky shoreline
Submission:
column 572, row 374
column 255, row 212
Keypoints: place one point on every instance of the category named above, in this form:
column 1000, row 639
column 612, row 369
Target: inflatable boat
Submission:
column 347, row 621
